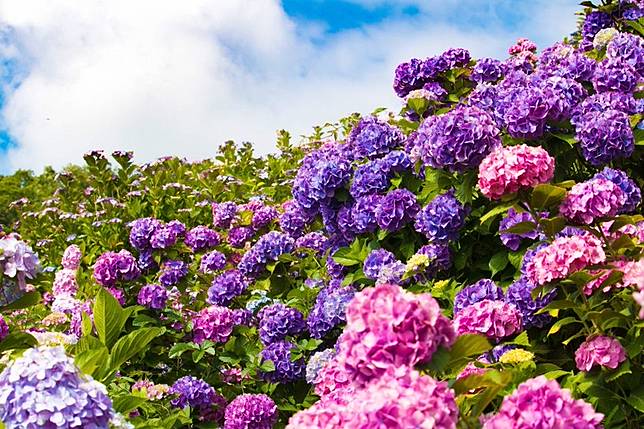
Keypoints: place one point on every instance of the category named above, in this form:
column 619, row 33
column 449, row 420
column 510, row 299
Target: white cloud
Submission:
column 168, row 77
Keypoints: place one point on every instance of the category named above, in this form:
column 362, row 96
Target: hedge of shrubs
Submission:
column 475, row 260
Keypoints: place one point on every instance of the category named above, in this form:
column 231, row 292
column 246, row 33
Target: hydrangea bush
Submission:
column 474, row 260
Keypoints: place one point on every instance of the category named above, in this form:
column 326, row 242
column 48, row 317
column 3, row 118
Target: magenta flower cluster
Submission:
column 599, row 350
column 494, row 319
column 592, row 200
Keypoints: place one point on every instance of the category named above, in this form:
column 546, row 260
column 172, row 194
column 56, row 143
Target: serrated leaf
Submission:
column 553, row 375
column 90, row 360
column 545, row 195
column 126, row 403
column 469, row 345
column 636, row 400
column 520, row 228
column 552, row 226
column 27, row 300
column 556, row 327
column 495, row 212
column 498, row 262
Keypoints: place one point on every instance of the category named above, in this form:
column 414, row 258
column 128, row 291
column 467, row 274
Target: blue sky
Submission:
column 164, row 77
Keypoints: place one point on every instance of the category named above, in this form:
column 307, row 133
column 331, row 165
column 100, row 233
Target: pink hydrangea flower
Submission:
column 471, row 369
column 332, row 378
column 494, row 319
column 510, row 169
column 72, row 257
column 592, row 200
column 213, row 323
column 65, row 282
column 600, row 350
column 593, row 285
column 387, row 326
column 522, row 45
column 542, row 403
column 564, row 256
column 401, row 398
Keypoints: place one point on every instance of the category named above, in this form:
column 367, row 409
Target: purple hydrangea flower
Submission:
column 293, row 222
column 591, row 200
column 396, row 209
column 212, row 261
column 615, row 75
column 594, row 22
column 267, row 249
column 374, row 262
column 213, row 323
column 456, row 57
column 44, row 389
column 407, row 77
column 164, row 237
column 277, row 321
column 200, row 397
column 524, row 110
column 627, row 48
column 238, row 236
column 316, row 241
column 223, row 214
column 369, row 179
column 564, row 94
column 146, row 260
column 457, row 140
column 243, row 317
column 286, row 370
column 263, row 217
column 226, row 286
column 479, row 291
column 112, row 267
column 329, row 310
column 511, row 240
column 141, row 232
column 172, row 272
column 440, row 259
column 72, row 257
column 201, row 238
column 256, row 411
column 442, row 219
column 373, row 137
column 605, row 136
column 487, row 70
column 604, row 101
column 628, row 186
column 519, row 294
column 391, row 273
column 363, row 213
column 153, row 297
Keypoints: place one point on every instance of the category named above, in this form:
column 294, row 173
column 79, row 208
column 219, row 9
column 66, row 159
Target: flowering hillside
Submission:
column 475, row 261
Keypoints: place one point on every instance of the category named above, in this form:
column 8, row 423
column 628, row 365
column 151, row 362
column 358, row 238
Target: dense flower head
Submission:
column 200, row 397
column 456, row 57
column 564, row 256
column 238, row 236
column 202, row 238
column 213, row 323
column 17, row 260
column 267, row 249
column 603, row 37
column 594, row 22
column 524, row 109
column 542, row 403
column 392, row 273
column 482, row 289
column 615, row 75
column 632, row 192
column 373, row 137
column 293, row 222
column 519, row 294
column 400, row 399
column 212, row 261
column 492, row 318
column 286, row 369
column 442, row 219
column 592, row 200
column 513, row 240
column 321, row 173
column 277, row 321
column 609, row 100
column 72, row 257
column 375, row 261
column 172, row 272
column 44, row 389
column 146, row 260
column 316, row 363
column 522, row 45
column 627, row 48
column 363, row 213
column 487, row 70
column 251, row 411
column 408, row 77
column 153, row 296
column 226, row 286
column 396, row 209
column 599, row 350
column 387, row 326
column 369, row 179
column 164, row 236
column 604, row 136
column 112, row 267
column 65, row 282
column 141, row 232
column 316, row 241
column 458, row 140
column 564, row 94
column 263, row 216
column 329, row 309
column 223, row 214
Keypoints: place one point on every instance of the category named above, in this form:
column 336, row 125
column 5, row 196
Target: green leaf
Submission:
column 561, row 323
column 623, row 369
column 469, row 345
column 108, row 317
column 180, row 348
column 522, row 339
column 552, row 226
column 132, row 344
column 126, row 403
column 553, row 375
column 495, row 212
column 545, row 195
column 520, row 228
column 498, row 262
column 636, row 400
column 568, row 138
column 267, row 366
column 17, row 341
column 27, row 300
column 90, row 360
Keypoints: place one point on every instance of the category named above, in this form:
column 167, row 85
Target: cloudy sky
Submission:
column 179, row 77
